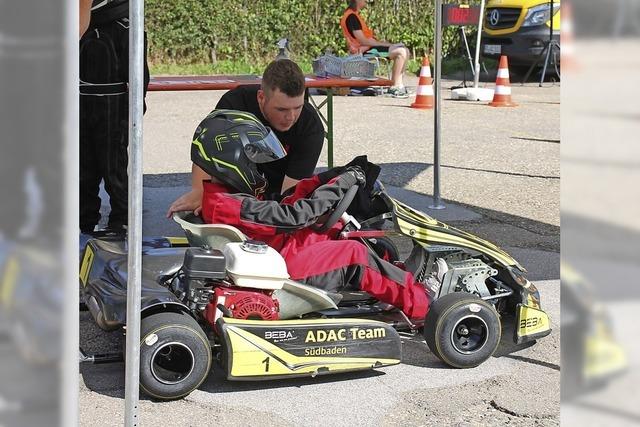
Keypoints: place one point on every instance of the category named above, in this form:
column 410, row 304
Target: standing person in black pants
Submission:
column 104, row 113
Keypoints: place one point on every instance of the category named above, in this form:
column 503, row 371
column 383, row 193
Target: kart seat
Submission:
column 200, row 234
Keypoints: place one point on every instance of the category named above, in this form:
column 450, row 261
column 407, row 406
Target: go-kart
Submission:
column 217, row 293
column 591, row 354
column 28, row 272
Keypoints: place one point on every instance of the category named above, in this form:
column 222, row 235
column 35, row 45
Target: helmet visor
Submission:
column 265, row 149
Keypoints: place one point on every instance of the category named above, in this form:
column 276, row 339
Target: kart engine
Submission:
column 446, row 269
column 205, row 288
column 241, row 304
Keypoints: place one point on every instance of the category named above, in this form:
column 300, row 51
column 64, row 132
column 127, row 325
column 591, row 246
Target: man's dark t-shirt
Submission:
column 303, row 142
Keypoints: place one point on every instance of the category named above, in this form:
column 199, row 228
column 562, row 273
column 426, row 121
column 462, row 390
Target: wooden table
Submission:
column 222, row 82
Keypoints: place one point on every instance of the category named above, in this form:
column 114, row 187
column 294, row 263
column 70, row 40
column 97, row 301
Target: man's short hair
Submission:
column 284, row 75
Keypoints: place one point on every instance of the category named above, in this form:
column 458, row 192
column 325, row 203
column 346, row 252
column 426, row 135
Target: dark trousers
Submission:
column 104, row 122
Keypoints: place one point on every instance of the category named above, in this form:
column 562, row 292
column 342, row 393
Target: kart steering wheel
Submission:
column 338, row 211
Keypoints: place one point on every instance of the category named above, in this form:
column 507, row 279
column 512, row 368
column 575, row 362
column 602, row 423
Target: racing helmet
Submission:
column 229, row 144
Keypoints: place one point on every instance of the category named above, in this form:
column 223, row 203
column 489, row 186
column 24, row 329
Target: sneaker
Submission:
column 398, row 92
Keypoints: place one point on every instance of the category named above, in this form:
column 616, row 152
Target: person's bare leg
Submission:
column 399, row 57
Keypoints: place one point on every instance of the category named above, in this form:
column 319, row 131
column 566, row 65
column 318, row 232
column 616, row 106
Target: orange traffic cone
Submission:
column 502, row 94
column 567, row 54
column 424, row 94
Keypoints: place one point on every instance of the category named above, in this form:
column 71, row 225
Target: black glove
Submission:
column 361, row 206
column 358, row 173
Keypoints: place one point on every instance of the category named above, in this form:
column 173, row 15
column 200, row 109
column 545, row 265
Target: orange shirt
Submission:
column 352, row 43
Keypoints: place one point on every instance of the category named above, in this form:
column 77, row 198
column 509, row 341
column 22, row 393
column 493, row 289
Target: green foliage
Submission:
column 245, row 31
column 226, row 66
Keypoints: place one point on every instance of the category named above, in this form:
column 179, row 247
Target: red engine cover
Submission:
column 242, row 304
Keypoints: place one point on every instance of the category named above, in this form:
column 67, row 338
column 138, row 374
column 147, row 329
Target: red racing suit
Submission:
column 313, row 258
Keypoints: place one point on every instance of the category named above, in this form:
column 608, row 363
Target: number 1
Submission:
column 266, row 364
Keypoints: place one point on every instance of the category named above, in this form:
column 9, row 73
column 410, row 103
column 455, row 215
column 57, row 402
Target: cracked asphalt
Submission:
column 500, row 180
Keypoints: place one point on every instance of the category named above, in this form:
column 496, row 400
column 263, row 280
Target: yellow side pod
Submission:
column 257, row 349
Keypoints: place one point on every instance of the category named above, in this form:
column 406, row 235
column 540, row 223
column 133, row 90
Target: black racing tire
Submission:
column 175, row 355
column 462, row 330
column 385, row 248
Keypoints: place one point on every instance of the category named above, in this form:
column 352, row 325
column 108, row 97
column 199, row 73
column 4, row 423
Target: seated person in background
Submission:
column 279, row 104
column 229, row 146
column 361, row 39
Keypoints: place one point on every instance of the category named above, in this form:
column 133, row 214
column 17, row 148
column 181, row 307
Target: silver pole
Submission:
column 466, row 45
column 71, row 321
column 136, row 82
column 437, row 202
column 476, row 77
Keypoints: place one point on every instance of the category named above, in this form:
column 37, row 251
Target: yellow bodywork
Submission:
column 253, row 356
column 603, row 355
column 524, row 5
column 178, row 241
column 429, row 231
column 531, row 321
column 85, row 267
column 9, row 281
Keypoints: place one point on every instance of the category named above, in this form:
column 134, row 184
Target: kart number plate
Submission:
column 85, row 267
column 492, row 49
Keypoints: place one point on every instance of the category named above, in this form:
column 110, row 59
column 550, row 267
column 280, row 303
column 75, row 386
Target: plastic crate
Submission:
column 358, row 66
column 351, row 66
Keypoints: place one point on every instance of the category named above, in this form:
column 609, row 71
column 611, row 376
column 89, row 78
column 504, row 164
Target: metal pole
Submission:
column 466, row 45
column 437, row 203
column 476, row 77
column 70, row 244
column 330, row 127
column 549, row 46
column 136, row 82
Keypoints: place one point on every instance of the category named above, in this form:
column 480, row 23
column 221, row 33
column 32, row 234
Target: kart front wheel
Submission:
column 462, row 330
column 175, row 355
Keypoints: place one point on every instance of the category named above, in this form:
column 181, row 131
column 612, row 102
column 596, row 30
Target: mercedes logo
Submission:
column 494, row 18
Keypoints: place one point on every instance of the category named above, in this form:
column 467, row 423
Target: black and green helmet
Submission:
column 228, row 144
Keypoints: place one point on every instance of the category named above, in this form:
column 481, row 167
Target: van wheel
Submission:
column 462, row 330
column 175, row 355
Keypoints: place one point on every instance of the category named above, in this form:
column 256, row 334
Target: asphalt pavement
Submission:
column 500, row 180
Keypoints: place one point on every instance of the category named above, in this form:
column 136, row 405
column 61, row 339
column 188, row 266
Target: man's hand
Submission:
column 358, row 173
column 191, row 201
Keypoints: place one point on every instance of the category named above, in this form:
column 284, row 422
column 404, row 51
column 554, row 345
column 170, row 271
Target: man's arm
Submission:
column 191, row 201
column 85, row 15
column 270, row 217
column 368, row 41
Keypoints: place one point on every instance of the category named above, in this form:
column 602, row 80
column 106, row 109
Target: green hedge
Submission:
column 206, row 31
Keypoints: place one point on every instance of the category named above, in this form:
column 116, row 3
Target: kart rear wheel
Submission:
column 462, row 330
column 175, row 355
